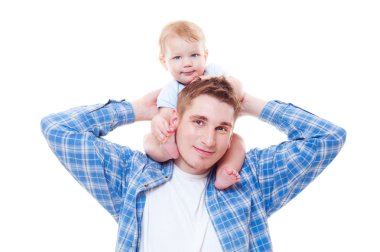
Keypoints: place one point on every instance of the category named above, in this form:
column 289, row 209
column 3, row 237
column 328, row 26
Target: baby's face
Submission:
column 183, row 59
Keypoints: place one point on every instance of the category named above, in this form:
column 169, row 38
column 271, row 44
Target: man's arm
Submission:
column 252, row 105
column 145, row 108
column 284, row 170
column 98, row 165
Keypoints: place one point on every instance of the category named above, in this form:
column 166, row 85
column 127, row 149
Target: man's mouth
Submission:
column 204, row 152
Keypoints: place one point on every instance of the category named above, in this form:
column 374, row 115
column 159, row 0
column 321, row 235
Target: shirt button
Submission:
column 146, row 184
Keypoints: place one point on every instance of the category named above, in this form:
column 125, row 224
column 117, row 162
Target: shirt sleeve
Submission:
column 214, row 70
column 75, row 137
column 284, row 170
column 169, row 95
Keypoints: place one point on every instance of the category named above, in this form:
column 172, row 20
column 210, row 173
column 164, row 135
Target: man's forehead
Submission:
column 209, row 107
column 208, row 99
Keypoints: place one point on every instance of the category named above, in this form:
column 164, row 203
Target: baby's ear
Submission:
column 163, row 61
column 206, row 53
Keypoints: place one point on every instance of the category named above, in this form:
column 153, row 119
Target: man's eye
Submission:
column 199, row 122
column 222, row 129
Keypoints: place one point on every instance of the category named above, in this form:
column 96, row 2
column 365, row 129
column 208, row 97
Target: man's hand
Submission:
column 237, row 86
column 252, row 106
column 145, row 108
column 235, row 83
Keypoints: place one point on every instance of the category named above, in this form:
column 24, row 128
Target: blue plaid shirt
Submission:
column 118, row 176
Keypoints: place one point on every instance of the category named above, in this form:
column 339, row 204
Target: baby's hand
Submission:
column 200, row 77
column 161, row 127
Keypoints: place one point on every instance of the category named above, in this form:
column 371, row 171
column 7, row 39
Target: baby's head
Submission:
column 183, row 51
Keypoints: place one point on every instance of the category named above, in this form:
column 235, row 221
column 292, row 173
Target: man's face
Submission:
column 203, row 134
column 184, row 60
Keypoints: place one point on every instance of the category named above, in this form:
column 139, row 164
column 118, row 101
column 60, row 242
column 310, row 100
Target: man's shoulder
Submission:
column 252, row 157
column 140, row 162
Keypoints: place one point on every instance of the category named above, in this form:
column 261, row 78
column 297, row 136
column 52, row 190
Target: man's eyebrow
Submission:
column 204, row 118
column 226, row 124
column 199, row 117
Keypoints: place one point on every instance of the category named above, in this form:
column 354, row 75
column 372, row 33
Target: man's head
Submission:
column 217, row 87
column 207, row 110
column 183, row 51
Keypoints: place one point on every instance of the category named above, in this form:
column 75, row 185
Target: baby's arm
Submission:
column 160, row 143
column 160, row 125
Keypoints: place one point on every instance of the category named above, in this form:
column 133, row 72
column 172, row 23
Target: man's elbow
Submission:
column 340, row 136
column 334, row 142
column 46, row 125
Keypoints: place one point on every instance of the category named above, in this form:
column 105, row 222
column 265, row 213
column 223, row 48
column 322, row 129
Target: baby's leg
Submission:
column 229, row 166
column 170, row 147
column 160, row 152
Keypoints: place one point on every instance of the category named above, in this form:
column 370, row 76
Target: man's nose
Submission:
column 209, row 138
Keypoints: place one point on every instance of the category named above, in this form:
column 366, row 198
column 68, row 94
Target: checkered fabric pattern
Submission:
column 118, row 177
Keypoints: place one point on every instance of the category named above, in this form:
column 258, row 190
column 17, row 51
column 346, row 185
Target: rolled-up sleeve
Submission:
column 75, row 137
column 284, row 170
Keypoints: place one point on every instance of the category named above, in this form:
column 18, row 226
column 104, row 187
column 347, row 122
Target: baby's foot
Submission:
column 171, row 149
column 226, row 178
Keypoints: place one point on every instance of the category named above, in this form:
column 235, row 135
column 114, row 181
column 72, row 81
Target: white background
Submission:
column 321, row 55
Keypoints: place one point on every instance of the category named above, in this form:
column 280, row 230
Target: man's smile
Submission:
column 204, row 152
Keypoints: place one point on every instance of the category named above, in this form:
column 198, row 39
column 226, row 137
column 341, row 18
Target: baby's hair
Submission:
column 184, row 29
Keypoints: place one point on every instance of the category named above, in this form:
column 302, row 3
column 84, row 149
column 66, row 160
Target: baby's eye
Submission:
column 194, row 55
column 177, row 57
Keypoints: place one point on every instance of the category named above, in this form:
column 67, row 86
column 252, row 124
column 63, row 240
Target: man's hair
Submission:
column 183, row 29
column 217, row 87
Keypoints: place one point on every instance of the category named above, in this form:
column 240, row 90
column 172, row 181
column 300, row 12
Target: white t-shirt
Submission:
column 169, row 94
column 175, row 217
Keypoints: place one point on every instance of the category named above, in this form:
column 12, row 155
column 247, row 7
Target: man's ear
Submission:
column 173, row 121
column 230, row 141
column 163, row 61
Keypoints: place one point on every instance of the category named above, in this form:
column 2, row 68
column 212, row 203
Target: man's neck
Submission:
column 185, row 167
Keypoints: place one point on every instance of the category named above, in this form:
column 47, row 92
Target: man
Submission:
column 174, row 206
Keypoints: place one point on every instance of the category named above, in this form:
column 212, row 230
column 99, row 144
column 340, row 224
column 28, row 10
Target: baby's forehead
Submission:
column 178, row 45
column 185, row 38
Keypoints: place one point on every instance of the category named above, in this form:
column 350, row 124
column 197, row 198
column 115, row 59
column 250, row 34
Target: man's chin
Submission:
column 203, row 166
column 199, row 166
